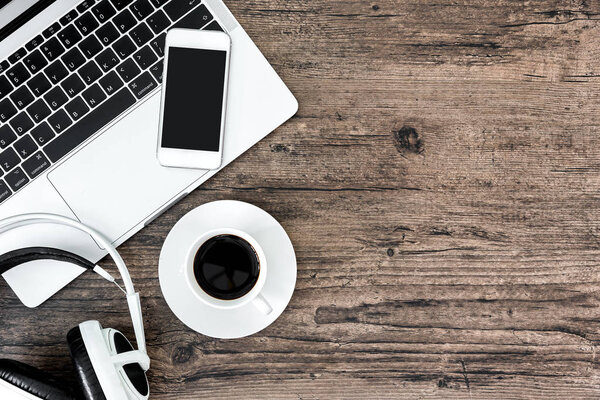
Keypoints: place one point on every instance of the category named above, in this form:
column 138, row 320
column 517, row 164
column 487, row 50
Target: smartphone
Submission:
column 194, row 96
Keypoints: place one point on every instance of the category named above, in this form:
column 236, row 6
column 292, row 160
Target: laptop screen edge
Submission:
column 17, row 13
column 23, row 34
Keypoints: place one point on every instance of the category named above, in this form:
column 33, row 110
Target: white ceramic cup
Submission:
column 254, row 295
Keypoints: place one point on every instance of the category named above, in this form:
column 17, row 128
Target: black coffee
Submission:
column 226, row 267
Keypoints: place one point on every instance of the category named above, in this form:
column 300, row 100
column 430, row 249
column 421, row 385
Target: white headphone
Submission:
column 108, row 367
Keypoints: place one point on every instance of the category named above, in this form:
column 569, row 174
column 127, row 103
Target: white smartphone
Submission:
column 194, row 96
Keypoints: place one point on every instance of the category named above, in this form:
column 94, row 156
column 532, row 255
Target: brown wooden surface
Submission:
column 440, row 185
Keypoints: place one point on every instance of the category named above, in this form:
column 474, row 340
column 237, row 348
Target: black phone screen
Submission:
column 193, row 104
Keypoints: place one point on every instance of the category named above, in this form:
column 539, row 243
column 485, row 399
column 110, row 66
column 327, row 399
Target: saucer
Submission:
column 244, row 320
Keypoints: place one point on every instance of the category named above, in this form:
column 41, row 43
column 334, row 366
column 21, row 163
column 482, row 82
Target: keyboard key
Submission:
column 158, row 44
column 125, row 21
column 25, row 146
column 7, row 136
column 52, row 49
column 56, row 98
column 69, row 36
column 18, row 74
column 4, row 66
column 36, row 164
column 141, row 34
column 7, row 110
column 158, row 3
column 16, row 179
column 59, row 121
column 196, row 19
column 90, row 72
column 158, row 21
column 128, row 70
column 177, row 8
column 111, row 82
column 94, row 95
column 22, row 97
column 9, row 159
column 73, row 59
column 90, row 46
column 213, row 26
column 73, row 85
column 39, row 84
column 56, row 72
column 120, row 4
column 90, row 124
column 103, row 11
column 17, row 55
column 85, row 5
column 38, row 111
column 124, row 47
column 157, row 71
column 143, row 85
column 141, row 9
column 42, row 134
column 77, row 108
column 51, row 30
column 21, row 123
column 107, row 60
column 5, row 86
column 107, row 34
column 65, row 20
column 4, row 191
column 35, row 61
column 86, row 23
column 145, row 57
column 35, row 42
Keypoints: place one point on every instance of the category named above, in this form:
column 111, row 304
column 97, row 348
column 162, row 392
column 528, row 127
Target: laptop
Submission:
column 79, row 111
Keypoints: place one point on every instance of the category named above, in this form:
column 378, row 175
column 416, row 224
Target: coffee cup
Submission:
column 226, row 269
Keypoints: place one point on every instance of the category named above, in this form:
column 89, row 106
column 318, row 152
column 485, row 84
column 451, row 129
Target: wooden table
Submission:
column 440, row 185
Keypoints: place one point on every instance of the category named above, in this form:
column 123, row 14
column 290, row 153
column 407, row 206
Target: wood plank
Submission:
column 440, row 186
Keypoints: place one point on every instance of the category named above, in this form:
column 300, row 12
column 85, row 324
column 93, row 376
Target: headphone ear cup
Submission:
column 86, row 375
column 135, row 376
column 33, row 381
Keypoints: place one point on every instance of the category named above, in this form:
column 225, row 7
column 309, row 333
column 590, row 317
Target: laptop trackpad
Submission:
column 115, row 182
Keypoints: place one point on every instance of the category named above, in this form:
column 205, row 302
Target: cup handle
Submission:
column 262, row 304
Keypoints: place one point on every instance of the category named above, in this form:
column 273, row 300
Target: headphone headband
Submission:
column 133, row 298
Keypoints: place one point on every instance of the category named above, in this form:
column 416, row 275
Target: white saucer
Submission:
column 245, row 320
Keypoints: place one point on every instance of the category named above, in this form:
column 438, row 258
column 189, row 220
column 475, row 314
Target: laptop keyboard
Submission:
column 79, row 74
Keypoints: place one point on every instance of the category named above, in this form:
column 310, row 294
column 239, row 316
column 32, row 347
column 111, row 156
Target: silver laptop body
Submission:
column 112, row 180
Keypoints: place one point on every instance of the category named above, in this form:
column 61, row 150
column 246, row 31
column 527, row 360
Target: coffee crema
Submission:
column 226, row 267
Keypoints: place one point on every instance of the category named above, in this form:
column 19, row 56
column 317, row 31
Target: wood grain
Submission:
column 440, row 185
